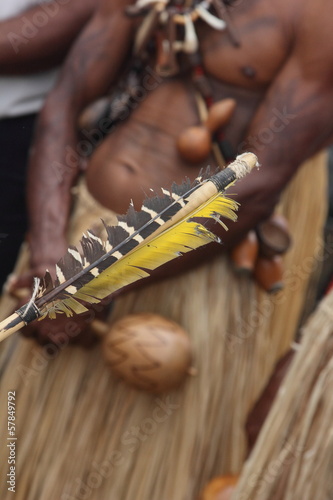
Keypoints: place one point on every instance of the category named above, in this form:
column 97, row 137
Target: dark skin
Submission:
column 47, row 45
column 281, row 76
column 54, row 28
column 261, row 408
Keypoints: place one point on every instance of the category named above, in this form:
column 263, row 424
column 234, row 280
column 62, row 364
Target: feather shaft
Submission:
column 10, row 325
column 178, row 239
column 217, row 183
column 142, row 251
column 49, row 297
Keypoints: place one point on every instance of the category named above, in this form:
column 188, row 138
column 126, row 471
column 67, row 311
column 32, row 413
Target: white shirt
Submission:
column 22, row 95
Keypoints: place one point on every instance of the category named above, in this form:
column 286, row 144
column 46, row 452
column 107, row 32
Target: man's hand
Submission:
column 62, row 330
column 42, row 258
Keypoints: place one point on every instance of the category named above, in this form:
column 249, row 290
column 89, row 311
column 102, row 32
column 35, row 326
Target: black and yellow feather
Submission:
column 184, row 236
column 165, row 228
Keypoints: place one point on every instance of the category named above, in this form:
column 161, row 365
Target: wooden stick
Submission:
column 10, row 325
column 236, row 170
column 217, row 183
column 24, row 315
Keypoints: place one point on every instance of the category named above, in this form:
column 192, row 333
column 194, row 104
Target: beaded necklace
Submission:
column 172, row 26
column 173, row 23
column 167, row 35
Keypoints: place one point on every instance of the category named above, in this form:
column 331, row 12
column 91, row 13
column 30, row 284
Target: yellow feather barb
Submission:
column 162, row 238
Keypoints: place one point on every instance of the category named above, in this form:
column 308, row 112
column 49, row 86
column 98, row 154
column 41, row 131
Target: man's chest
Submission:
column 264, row 46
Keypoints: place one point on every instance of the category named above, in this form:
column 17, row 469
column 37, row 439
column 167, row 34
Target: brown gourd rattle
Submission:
column 260, row 253
column 195, row 143
column 244, row 255
column 274, row 241
column 147, row 351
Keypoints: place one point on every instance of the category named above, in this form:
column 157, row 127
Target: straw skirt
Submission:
column 293, row 457
column 83, row 434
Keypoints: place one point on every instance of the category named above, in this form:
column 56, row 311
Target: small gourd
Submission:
column 244, row 254
column 148, row 351
column 194, row 143
column 219, row 488
column 268, row 273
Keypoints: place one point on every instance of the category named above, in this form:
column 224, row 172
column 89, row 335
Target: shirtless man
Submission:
column 280, row 74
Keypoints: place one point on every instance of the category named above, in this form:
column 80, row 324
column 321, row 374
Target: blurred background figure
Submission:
column 34, row 39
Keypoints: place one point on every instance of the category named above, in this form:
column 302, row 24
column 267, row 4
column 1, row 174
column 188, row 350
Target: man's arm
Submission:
column 295, row 119
column 89, row 71
column 40, row 37
column 293, row 122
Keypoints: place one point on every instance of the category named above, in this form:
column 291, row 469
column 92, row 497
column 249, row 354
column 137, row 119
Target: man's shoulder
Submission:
column 314, row 40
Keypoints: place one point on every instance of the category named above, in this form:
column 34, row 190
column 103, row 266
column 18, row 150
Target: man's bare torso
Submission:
column 280, row 76
column 142, row 151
